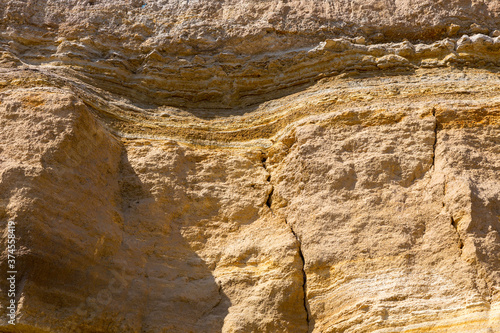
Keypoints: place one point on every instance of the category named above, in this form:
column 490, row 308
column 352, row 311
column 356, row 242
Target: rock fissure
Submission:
column 433, row 166
column 475, row 265
column 304, row 275
column 299, row 247
column 455, row 226
column 269, row 200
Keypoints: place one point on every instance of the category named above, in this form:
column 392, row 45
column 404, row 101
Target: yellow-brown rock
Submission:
column 251, row 166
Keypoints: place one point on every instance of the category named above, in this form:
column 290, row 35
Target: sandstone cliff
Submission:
column 251, row 166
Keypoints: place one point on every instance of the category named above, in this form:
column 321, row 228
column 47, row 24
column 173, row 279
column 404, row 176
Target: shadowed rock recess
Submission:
column 251, row 166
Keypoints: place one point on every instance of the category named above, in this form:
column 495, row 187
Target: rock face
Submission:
column 251, row 166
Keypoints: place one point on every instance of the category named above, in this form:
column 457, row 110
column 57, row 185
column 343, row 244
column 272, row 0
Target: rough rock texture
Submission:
column 251, row 166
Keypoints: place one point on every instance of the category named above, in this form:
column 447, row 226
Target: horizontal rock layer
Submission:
column 226, row 54
column 229, row 80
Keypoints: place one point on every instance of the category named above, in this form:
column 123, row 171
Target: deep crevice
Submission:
column 264, row 160
column 435, row 138
column 455, row 226
column 304, row 276
column 299, row 245
column 453, row 223
column 269, row 201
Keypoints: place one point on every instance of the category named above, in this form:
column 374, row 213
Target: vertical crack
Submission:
column 304, row 275
column 454, row 224
column 486, row 294
column 435, row 138
column 269, row 202
column 483, row 289
column 264, row 165
column 486, row 290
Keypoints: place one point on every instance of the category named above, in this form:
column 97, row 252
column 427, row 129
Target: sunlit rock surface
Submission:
column 251, row 166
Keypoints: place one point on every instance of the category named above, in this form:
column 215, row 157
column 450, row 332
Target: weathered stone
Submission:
column 249, row 166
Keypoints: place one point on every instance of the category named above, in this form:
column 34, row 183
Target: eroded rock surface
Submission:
column 251, row 166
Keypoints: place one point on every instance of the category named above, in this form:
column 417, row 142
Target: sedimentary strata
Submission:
column 251, row 166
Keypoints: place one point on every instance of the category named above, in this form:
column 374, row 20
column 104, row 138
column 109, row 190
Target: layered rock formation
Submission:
column 247, row 166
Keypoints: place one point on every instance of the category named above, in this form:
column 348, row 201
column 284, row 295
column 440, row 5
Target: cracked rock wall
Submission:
column 248, row 166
